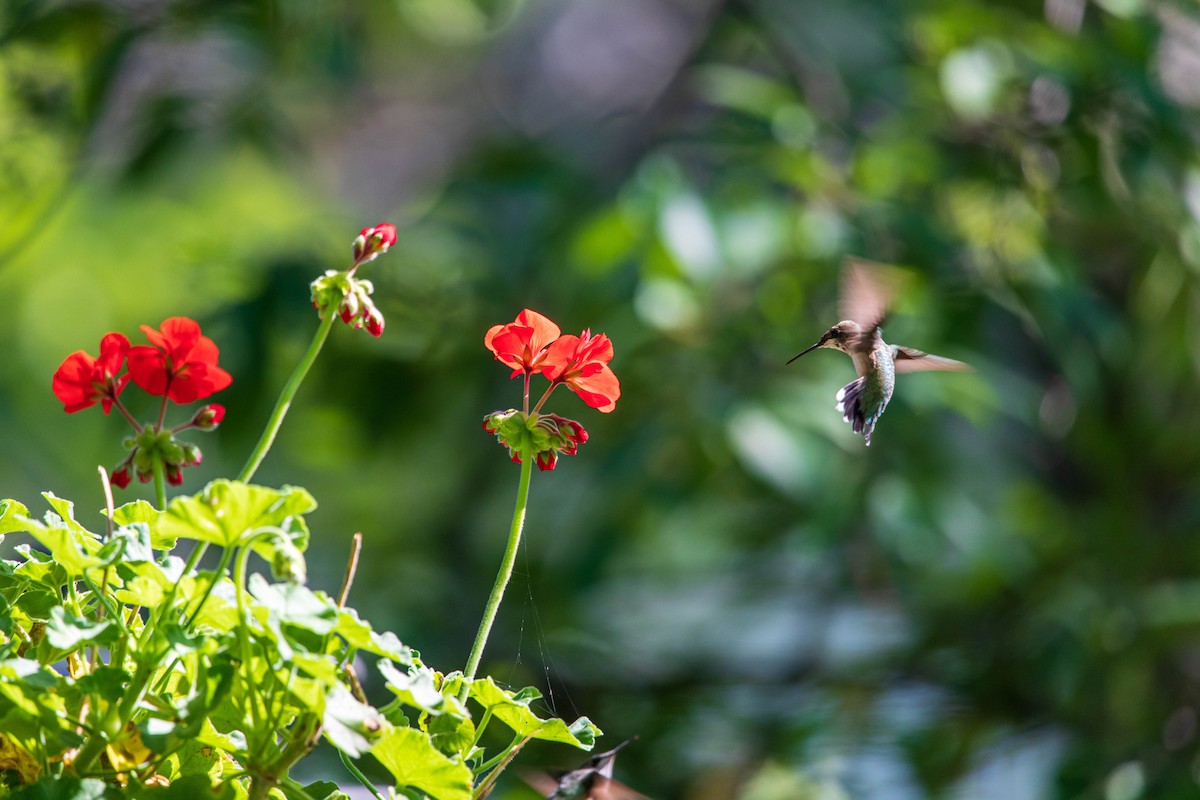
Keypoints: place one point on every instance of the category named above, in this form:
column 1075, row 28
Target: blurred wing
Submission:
column 909, row 360
column 608, row 789
column 867, row 290
column 540, row 782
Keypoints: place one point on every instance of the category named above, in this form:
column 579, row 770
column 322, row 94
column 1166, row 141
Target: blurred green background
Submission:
column 999, row 599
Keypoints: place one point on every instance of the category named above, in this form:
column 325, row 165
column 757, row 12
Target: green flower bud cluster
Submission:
column 546, row 436
column 350, row 298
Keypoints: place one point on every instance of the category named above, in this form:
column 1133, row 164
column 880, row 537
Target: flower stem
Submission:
column 160, row 485
column 506, row 568
column 286, row 396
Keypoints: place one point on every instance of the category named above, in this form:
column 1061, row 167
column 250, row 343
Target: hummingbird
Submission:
column 865, row 293
column 592, row 781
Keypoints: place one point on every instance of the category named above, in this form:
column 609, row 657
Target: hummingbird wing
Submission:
column 867, row 288
column 541, row 782
column 908, row 359
column 609, row 789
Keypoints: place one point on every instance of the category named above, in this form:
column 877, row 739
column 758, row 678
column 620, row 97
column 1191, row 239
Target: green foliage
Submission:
column 184, row 682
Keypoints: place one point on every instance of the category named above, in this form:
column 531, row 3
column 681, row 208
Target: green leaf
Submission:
column 319, row 790
column 66, row 632
column 294, row 604
column 67, row 787
column 349, row 724
column 226, row 511
column 141, row 511
column 13, row 516
column 71, row 546
column 416, row 689
column 359, row 634
column 512, row 708
column 128, row 544
column 190, row 787
column 414, row 762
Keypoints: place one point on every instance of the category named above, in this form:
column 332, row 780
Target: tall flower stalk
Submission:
column 531, row 344
column 334, row 295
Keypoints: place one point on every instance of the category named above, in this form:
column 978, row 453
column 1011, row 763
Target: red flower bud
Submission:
column 546, row 460
column 120, row 477
column 374, row 321
column 209, row 417
column 372, row 241
column 174, row 475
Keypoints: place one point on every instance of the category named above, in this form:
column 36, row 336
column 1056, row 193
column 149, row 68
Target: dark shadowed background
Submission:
column 1000, row 598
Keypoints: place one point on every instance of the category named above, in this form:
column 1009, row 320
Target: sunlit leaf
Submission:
column 66, row 632
column 13, row 516
column 416, row 688
column 141, row 511
column 414, row 762
column 225, row 511
column 512, row 708
column 349, row 724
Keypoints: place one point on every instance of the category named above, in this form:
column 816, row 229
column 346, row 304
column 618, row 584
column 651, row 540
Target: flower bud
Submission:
column 120, row 477
column 209, row 417
column 174, row 474
column 372, row 241
column 287, row 562
column 191, row 455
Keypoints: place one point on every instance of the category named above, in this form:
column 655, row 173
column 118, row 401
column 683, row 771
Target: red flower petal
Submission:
column 180, row 363
column 82, row 381
column 581, row 362
column 521, row 344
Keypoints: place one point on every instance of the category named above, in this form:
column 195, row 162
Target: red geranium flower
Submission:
column 82, row 381
column 180, row 363
column 522, row 343
column 581, row 362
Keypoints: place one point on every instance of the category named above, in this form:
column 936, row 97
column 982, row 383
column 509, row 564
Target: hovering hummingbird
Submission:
column 866, row 292
column 592, row 781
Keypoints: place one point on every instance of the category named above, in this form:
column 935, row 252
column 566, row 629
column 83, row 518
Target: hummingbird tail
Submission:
column 850, row 404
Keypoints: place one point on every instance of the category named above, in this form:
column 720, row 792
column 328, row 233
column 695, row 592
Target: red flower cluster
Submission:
column 179, row 365
column 531, row 343
column 81, row 380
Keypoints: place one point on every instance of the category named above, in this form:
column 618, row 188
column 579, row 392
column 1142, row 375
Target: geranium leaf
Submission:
column 416, row 688
column 512, row 708
column 295, row 605
column 66, row 632
column 319, row 790
column 349, row 724
column 359, row 634
column 225, row 511
column 190, row 788
column 13, row 516
column 128, row 544
column 414, row 762
column 71, row 546
column 67, row 787
column 141, row 511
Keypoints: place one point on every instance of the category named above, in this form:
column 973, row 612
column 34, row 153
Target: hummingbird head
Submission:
column 839, row 337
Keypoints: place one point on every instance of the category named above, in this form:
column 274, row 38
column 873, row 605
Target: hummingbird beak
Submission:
column 820, row 342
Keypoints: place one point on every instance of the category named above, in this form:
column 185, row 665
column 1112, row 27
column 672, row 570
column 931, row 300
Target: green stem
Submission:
column 286, row 396
column 505, row 573
column 357, row 773
column 160, row 484
column 226, row 555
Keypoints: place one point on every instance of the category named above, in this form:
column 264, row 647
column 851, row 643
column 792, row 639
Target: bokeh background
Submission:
column 1000, row 598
